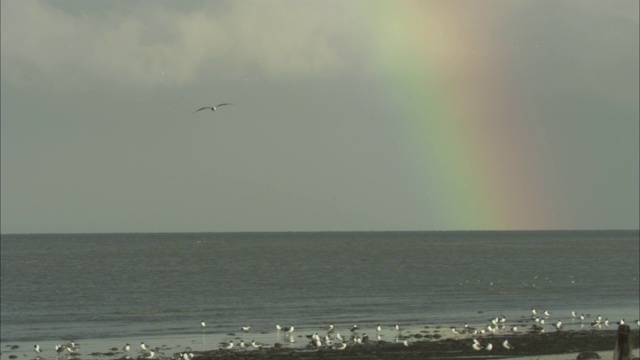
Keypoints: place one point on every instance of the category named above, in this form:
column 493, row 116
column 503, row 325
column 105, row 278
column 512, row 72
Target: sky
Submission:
column 348, row 115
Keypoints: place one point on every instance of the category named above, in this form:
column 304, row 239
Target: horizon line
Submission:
column 306, row 231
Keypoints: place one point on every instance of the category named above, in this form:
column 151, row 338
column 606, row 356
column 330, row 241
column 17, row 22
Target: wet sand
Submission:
column 556, row 345
column 562, row 344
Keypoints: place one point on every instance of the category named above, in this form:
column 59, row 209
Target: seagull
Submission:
column 341, row 346
column 256, row 345
column 289, row 329
column 71, row 346
column 59, row 349
column 507, row 345
column 213, row 108
column 278, row 327
column 328, row 341
column 150, row 355
column 489, row 347
column 229, row 345
column 354, row 328
column 143, row 346
column 126, row 348
column 378, row 328
column 202, row 324
column 476, row 346
column 37, row 349
column 246, row 328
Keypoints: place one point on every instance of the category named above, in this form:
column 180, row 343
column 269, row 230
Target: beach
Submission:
column 549, row 346
column 557, row 345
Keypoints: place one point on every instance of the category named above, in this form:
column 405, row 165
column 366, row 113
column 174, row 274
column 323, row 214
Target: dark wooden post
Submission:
column 623, row 346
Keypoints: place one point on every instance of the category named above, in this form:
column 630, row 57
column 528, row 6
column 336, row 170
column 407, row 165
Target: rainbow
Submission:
column 477, row 161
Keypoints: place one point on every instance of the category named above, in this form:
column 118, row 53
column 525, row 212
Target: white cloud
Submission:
column 154, row 42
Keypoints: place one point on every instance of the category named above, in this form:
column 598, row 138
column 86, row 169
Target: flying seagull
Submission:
column 213, row 108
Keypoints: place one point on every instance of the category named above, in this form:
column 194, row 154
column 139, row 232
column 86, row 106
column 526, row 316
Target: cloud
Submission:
column 152, row 42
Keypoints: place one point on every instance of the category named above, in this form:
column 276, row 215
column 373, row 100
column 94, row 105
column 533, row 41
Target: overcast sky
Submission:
column 348, row 115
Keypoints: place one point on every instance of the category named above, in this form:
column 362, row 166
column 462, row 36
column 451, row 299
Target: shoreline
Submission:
column 556, row 345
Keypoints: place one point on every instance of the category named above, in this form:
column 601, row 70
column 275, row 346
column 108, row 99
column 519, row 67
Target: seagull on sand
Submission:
column 59, row 349
column 342, row 346
column 213, row 108
column 37, row 349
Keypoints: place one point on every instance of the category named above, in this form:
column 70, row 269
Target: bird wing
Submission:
column 202, row 108
column 224, row 104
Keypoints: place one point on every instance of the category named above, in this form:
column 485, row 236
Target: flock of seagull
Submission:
column 538, row 322
column 332, row 339
column 70, row 349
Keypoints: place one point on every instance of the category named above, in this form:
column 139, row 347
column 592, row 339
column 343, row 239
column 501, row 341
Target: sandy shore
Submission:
column 560, row 345
column 548, row 346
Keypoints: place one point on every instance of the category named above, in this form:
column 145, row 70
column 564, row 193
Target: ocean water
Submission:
column 131, row 287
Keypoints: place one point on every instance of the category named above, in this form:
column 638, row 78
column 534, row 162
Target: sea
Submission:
column 105, row 290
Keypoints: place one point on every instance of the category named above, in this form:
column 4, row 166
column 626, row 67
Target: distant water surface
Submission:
column 98, row 286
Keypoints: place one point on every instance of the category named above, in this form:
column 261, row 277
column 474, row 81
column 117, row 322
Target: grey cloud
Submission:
column 153, row 42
